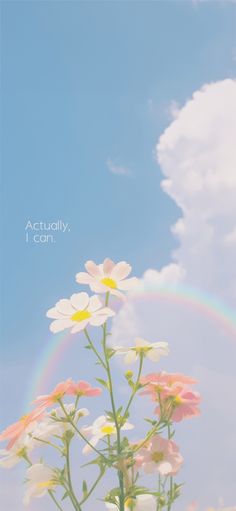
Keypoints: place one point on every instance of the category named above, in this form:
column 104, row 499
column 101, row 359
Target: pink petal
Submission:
column 93, row 269
column 121, row 271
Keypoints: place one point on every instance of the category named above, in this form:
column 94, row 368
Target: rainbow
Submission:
column 189, row 297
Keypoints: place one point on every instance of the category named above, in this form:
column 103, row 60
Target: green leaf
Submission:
column 85, row 489
column 102, row 382
column 66, row 494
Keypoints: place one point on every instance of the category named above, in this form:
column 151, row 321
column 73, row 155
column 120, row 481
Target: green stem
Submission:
column 94, row 349
column 119, row 449
column 71, row 491
column 79, row 432
column 92, row 487
column 170, row 502
column 48, row 443
column 152, row 432
column 50, row 492
column 135, row 389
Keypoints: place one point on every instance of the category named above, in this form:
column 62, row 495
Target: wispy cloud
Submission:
column 119, row 170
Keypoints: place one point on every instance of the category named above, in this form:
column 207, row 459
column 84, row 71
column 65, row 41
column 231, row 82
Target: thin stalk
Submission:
column 50, row 492
column 94, row 349
column 71, row 491
column 170, row 502
column 135, row 389
column 92, row 488
column 48, row 443
column 79, row 432
column 120, row 473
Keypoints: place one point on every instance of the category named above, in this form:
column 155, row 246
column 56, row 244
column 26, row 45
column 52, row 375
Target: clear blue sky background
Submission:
column 83, row 82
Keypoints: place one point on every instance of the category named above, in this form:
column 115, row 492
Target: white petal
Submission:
column 121, row 270
column 93, row 441
column 128, row 284
column 93, row 269
column 54, row 314
column 131, row 357
column 97, row 320
column 79, row 326
column 108, row 266
column 127, row 426
column 80, row 300
column 105, row 311
column 83, row 278
column 65, row 307
column 139, row 342
column 120, row 295
column 94, row 303
column 60, row 324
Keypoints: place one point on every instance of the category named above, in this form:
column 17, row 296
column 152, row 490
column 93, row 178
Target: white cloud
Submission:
column 197, row 155
column 117, row 169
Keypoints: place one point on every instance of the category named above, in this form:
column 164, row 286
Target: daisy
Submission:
column 77, row 313
column 139, row 503
column 160, row 455
column 108, row 276
column 14, row 431
column 101, row 428
column 40, row 479
column 153, row 351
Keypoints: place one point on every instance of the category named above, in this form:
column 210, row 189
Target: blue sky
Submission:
column 84, row 83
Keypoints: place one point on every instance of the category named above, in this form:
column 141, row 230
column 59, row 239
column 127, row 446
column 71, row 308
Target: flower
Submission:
column 102, row 427
column 139, row 503
column 107, row 276
column 159, row 455
column 59, row 417
column 57, row 423
column 14, row 431
column 58, row 392
column 10, row 457
column 78, row 312
column 82, row 388
column 153, row 351
column 180, row 404
column 176, row 401
column 40, row 479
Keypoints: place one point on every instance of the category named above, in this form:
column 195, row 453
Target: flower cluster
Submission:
column 54, row 422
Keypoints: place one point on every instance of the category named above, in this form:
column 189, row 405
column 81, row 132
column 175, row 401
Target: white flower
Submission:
column 78, row 312
column 107, row 276
column 154, row 351
column 10, row 457
column 40, row 479
column 54, row 425
column 101, row 428
column 140, row 503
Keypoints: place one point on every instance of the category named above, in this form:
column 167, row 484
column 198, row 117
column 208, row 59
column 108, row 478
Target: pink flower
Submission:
column 181, row 404
column 82, row 388
column 60, row 390
column 14, row 431
column 176, row 401
column 107, row 276
column 159, row 455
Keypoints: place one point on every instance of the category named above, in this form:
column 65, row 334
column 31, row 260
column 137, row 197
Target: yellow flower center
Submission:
column 177, row 400
column 108, row 429
column 130, row 503
column 24, row 418
column 81, row 315
column 142, row 349
column 157, row 456
column 46, row 484
column 109, row 282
